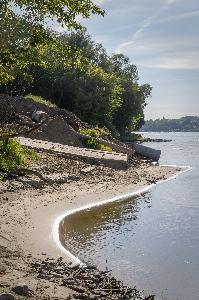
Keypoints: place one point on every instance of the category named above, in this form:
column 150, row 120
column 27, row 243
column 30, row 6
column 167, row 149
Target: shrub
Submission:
column 98, row 133
column 13, row 155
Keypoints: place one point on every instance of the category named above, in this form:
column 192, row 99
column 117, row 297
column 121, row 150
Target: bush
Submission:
column 98, row 133
column 13, row 155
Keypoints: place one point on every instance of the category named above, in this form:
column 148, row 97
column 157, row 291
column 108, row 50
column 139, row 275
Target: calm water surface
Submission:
column 149, row 241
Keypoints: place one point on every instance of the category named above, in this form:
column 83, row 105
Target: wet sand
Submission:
column 31, row 208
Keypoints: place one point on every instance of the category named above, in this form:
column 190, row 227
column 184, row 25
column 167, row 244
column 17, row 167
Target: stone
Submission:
column 88, row 169
column 39, row 116
column 21, row 290
column 80, row 296
column 7, row 297
column 4, row 284
column 78, row 289
column 93, row 297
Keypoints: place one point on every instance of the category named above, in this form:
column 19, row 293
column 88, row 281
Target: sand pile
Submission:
column 57, row 131
column 16, row 113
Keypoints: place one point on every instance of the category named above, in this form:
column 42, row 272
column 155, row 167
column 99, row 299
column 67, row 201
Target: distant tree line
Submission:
column 188, row 123
column 70, row 70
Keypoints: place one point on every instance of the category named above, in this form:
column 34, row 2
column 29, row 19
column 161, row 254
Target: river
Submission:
column 150, row 241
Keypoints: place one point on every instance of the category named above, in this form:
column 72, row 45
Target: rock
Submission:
column 39, row 116
column 58, row 269
column 73, row 177
column 87, row 170
column 103, row 294
column 42, row 276
column 7, row 297
column 4, row 284
column 21, row 290
column 80, row 296
column 93, row 297
column 78, row 289
column 75, row 267
column 67, row 282
column 53, row 274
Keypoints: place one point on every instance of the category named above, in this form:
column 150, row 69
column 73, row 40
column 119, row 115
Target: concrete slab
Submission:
column 112, row 159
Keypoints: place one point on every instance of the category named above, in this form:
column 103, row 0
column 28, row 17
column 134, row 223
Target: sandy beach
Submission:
column 31, row 207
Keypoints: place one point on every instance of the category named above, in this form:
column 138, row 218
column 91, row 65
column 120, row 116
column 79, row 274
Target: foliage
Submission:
column 98, row 133
column 26, row 35
column 130, row 115
column 39, row 99
column 65, row 12
column 13, row 155
column 94, row 95
column 188, row 123
column 105, row 92
column 70, row 70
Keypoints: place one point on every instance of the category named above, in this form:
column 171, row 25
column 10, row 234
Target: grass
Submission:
column 41, row 100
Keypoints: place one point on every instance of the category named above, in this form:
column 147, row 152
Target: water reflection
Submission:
column 151, row 240
column 81, row 230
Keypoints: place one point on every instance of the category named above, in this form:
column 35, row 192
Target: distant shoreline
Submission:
column 184, row 124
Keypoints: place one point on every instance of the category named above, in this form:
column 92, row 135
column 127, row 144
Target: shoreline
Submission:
column 31, row 210
column 56, row 224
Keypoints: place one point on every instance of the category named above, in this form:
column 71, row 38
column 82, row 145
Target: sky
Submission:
column 161, row 37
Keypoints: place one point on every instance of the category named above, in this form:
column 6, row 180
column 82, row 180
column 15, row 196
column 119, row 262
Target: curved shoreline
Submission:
column 30, row 217
column 55, row 226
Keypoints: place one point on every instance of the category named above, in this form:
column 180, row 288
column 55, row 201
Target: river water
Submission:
column 150, row 241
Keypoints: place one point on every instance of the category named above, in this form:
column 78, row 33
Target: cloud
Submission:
column 99, row 2
column 178, row 17
column 187, row 61
column 165, row 51
column 154, row 46
column 146, row 23
column 170, row 53
column 176, row 79
column 152, row 18
column 177, row 61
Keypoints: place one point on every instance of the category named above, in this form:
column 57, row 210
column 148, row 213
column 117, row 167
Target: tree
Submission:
column 130, row 115
column 104, row 92
column 121, row 66
column 37, row 12
column 25, row 34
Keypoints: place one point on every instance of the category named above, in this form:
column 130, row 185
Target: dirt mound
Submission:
column 57, row 131
column 16, row 113
column 26, row 107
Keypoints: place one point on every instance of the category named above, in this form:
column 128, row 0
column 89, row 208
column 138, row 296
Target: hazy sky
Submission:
column 161, row 37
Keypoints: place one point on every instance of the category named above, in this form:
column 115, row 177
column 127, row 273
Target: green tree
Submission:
column 130, row 115
column 104, row 92
column 24, row 32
